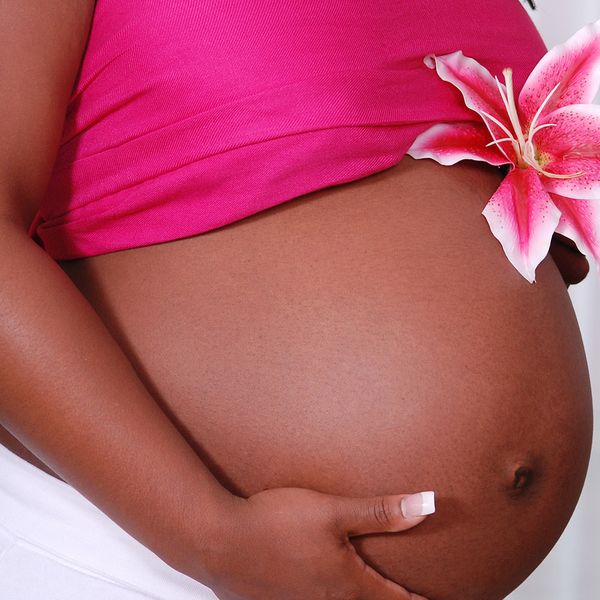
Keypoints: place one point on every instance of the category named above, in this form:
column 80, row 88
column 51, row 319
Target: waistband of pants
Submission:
column 55, row 517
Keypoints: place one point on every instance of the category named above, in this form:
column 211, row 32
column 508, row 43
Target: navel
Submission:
column 523, row 476
column 520, row 477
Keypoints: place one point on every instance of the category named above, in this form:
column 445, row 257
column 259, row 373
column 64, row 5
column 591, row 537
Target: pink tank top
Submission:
column 187, row 115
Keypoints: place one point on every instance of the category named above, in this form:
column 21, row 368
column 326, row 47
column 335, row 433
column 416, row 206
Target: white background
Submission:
column 572, row 570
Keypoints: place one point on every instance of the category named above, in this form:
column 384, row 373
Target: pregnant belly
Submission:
column 365, row 339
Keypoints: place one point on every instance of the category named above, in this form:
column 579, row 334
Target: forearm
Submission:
column 69, row 393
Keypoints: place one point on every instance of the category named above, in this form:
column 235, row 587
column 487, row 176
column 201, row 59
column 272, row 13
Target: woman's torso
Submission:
column 364, row 339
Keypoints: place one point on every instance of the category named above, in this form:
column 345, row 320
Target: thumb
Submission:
column 381, row 514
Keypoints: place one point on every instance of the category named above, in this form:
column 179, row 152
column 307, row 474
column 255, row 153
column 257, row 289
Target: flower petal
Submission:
column 476, row 84
column 575, row 64
column 576, row 132
column 580, row 221
column 523, row 218
column 448, row 143
column 571, row 147
column 584, row 187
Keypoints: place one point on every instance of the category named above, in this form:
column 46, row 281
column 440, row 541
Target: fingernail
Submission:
column 418, row 505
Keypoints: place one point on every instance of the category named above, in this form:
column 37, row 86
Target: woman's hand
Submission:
column 573, row 265
column 292, row 544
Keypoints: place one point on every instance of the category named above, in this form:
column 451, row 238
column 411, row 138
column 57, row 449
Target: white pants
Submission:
column 56, row 545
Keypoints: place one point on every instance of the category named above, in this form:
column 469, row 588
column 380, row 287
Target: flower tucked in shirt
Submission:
column 550, row 138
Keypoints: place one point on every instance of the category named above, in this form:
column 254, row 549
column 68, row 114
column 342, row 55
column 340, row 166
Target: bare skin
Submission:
column 70, row 394
column 366, row 338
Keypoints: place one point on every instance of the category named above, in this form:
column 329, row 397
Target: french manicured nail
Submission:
column 418, row 505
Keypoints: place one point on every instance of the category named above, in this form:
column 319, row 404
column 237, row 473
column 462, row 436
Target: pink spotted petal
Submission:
column 570, row 147
column 577, row 132
column 575, row 64
column 476, row 84
column 584, row 187
column 448, row 143
column 523, row 218
column 580, row 221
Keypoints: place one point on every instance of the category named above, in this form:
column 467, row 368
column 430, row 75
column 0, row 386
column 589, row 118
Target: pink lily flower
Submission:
column 550, row 137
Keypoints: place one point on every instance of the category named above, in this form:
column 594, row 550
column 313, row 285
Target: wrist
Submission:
column 203, row 548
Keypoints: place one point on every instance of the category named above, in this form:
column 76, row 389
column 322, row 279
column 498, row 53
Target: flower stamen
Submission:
column 501, row 140
column 511, row 106
column 559, row 176
column 539, row 111
column 523, row 145
column 532, row 133
column 501, row 125
column 539, row 169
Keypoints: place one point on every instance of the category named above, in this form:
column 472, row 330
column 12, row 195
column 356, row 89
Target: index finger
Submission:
column 374, row 586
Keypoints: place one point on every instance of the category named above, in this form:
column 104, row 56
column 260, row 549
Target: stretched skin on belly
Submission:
column 372, row 338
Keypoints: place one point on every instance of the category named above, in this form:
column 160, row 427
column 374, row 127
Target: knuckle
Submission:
column 382, row 511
